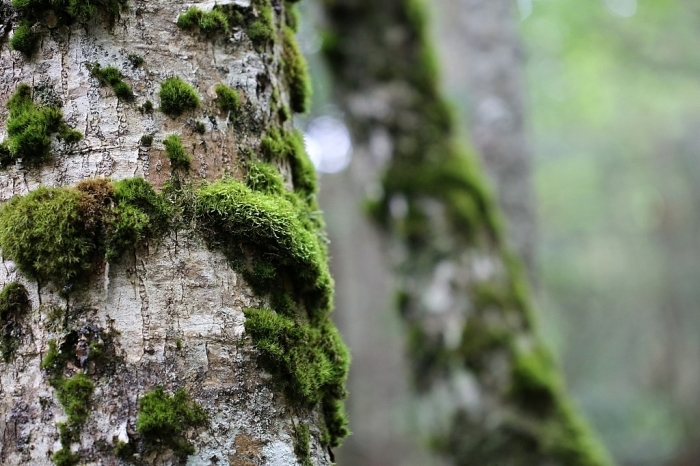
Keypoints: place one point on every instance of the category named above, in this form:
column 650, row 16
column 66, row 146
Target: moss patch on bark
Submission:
column 14, row 304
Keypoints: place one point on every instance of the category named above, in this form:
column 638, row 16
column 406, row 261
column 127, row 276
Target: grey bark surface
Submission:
column 174, row 308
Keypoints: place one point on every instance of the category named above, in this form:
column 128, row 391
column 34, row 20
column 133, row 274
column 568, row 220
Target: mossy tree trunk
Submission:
column 488, row 392
column 180, row 318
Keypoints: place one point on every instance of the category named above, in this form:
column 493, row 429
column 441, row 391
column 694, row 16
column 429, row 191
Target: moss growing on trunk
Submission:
column 175, row 152
column 112, row 77
column 176, row 97
column 164, row 419
column 57, row 234
column 30, row 128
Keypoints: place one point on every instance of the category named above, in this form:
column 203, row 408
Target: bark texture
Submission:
column 489, row 392
column 170, row 312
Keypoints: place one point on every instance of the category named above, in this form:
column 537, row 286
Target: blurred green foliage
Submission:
column 615, row 107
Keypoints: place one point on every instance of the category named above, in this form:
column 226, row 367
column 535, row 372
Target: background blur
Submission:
column 610, row 93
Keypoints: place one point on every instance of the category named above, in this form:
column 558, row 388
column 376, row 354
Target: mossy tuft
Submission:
column 227, row 100
column 112, row 77
column 301, row 446
column 208, row 22
column 176, row 152
column 176, row 96
column 14, row 304
column 261, row 30
column 146, row 140
column 30, row 127
column 265, row 178
column 164, row 419
column 24, row 39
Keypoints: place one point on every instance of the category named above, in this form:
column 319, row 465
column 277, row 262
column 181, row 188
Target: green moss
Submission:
column 74, row 394
column 112, row 77
column 290, row 146
column 176, row 152
column 23, row 39
column 68, row 10
column 147, row 107
column 291, row 15
column 211, row 22
column 64, row 457
column 479, row 339
column 54, row 359
column 301, row 446
column 265, row 178
column 14, row 303
column 164, row 419
column 135, row 60
column 199, row 127
column 261, row 30
column 57, row 234
column 227, row 100
column 535, row 381
column 270, row 227
column 296, row 73
column 146, row 140
column 176, row 96
column 309, row 362
column 30, row 127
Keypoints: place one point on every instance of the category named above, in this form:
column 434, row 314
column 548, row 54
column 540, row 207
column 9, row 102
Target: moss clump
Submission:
column 30, row 127
column 147, row 107
column 135, row 60
column 146, row 140
column 176, row 96
column 23, row 39
column 176, row 152
column 164, row 419
column 272, row 237
column 309, row 362
column 292, row 16
column 210, row 22
column 68, row 11
column 265, row 178
column 301, row 447
column 290, row 146
column 57, row 234
column 296, row 73
column 261, row 30
column 14, row 303
column 112, row 77
column 199, row 127
column 227, row 100
column 271, row 228
column 74, row 394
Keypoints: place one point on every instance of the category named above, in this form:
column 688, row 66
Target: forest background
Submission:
column 612, row 118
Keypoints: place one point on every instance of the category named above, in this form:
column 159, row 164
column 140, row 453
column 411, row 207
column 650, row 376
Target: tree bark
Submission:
column 487, row 390
column 170, row 312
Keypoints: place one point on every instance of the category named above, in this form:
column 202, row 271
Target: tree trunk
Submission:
column 181, row 299
column 488, row 392
column 489, row 79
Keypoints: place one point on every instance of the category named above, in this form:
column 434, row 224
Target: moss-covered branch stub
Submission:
column 30, row 128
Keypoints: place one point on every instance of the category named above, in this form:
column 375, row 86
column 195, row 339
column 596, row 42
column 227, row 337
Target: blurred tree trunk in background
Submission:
column 487, row 391
column 478, row 42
